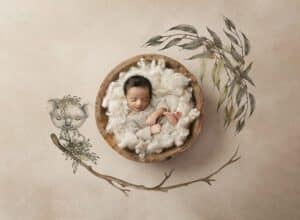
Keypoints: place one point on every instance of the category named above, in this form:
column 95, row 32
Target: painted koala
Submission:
column 68, row 115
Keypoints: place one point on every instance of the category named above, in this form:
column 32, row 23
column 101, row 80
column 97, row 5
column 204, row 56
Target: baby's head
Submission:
column 138, row 92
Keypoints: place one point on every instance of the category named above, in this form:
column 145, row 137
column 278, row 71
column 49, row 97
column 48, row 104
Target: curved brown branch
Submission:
column 123, row 185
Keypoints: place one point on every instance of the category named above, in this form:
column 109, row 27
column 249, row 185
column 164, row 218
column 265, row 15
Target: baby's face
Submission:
column 138, row 98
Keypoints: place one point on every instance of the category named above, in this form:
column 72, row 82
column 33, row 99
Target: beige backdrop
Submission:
column 57, row 47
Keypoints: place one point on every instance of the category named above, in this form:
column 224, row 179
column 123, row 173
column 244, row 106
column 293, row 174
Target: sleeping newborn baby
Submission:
column 143, row 118
column 149, row 108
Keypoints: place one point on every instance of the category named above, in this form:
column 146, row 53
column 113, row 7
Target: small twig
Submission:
column 123, row 185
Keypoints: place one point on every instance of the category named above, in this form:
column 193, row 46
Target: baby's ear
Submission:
column 52, row 105
column 85, row 108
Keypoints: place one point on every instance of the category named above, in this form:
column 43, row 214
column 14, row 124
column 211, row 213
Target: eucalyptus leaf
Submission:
column 246, row 44
column 155, row 43
column 239, row 112
column 232, row 86
column 171, row 43
column 231, row 110
column 239, row 126
column 193, row 44
column 227, row 63
column 216, row 38
column 222, row 97
column 229, row 24
column 232, row 38
column 202, row 70
column 248, row 68
column 205, row 54
column 216, row 73
column 240, row 94
column 228, row 115
column 155, row 38
column 218, row 83
column 213, row 73
column 252, row 103
column 236, row 55
column 184, row 27
column 248, row 78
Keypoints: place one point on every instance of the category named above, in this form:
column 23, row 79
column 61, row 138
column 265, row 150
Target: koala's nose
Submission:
column 68, row 121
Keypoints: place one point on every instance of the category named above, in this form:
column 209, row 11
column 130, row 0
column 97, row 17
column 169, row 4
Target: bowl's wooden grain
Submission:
column 101, row 118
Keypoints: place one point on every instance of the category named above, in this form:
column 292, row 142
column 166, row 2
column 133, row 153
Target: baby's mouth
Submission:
column 138, row 109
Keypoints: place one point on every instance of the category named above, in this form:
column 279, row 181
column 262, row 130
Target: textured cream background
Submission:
column 52, row 48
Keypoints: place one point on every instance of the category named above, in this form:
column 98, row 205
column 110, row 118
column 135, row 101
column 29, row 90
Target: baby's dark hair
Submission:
column 137, row 81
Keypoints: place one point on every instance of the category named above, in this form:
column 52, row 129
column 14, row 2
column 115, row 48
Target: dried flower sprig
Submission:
column 125, row 186
column 229, row 60
column 81, row 150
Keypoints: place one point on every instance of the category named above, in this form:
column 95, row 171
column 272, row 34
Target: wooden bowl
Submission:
column 102, row 119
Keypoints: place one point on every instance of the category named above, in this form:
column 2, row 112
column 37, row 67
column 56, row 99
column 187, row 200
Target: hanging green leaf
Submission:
column 216, row 73
column 241, row 92
column 239, row 112
column 248, row 78
column 222, row 97
column 236, row 55
column 232, row 38
column 232, row 86
column 153, row 40
column 246, row 44
column 213, row 73
column 239, row 126
column 205, row 54
column 248, row 68
column 155, row 43
column 171, row 43
column 252, row 103
column 227, row 62
column 229, row 24
column 228, row 115
column 194, row 43
column 215, row 37
column 202, row 70
column 184, row 27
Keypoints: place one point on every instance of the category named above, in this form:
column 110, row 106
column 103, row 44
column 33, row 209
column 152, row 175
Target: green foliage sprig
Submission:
column 229, row 60
column 81, row 151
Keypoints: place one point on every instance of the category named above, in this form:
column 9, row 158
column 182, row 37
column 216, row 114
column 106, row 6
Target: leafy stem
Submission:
column 125, row 186
column 228, row 59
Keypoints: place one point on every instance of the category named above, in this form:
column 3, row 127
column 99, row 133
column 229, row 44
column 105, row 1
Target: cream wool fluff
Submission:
column 170, row 90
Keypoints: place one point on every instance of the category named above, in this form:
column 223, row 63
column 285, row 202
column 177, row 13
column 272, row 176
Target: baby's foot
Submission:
column 178, row 115
column 173, row 117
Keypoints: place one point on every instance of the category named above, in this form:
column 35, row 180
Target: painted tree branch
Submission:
column 124, row 186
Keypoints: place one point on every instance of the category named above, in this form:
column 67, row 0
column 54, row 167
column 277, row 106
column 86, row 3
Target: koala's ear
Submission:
column 52, row 105
column 85, row 108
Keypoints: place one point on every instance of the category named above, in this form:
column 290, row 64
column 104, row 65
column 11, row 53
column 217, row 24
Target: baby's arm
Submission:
column 152, row 118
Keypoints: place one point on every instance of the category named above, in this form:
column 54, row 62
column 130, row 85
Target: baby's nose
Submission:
column 138, row 102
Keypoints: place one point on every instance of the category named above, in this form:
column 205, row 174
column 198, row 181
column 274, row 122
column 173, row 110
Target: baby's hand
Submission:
column 151, row 120
column 155, row 129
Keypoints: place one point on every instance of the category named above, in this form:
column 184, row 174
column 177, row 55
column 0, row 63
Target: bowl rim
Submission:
column 101, row 117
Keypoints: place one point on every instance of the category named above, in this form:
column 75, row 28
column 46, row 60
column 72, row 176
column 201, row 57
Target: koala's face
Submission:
column 70, row 117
